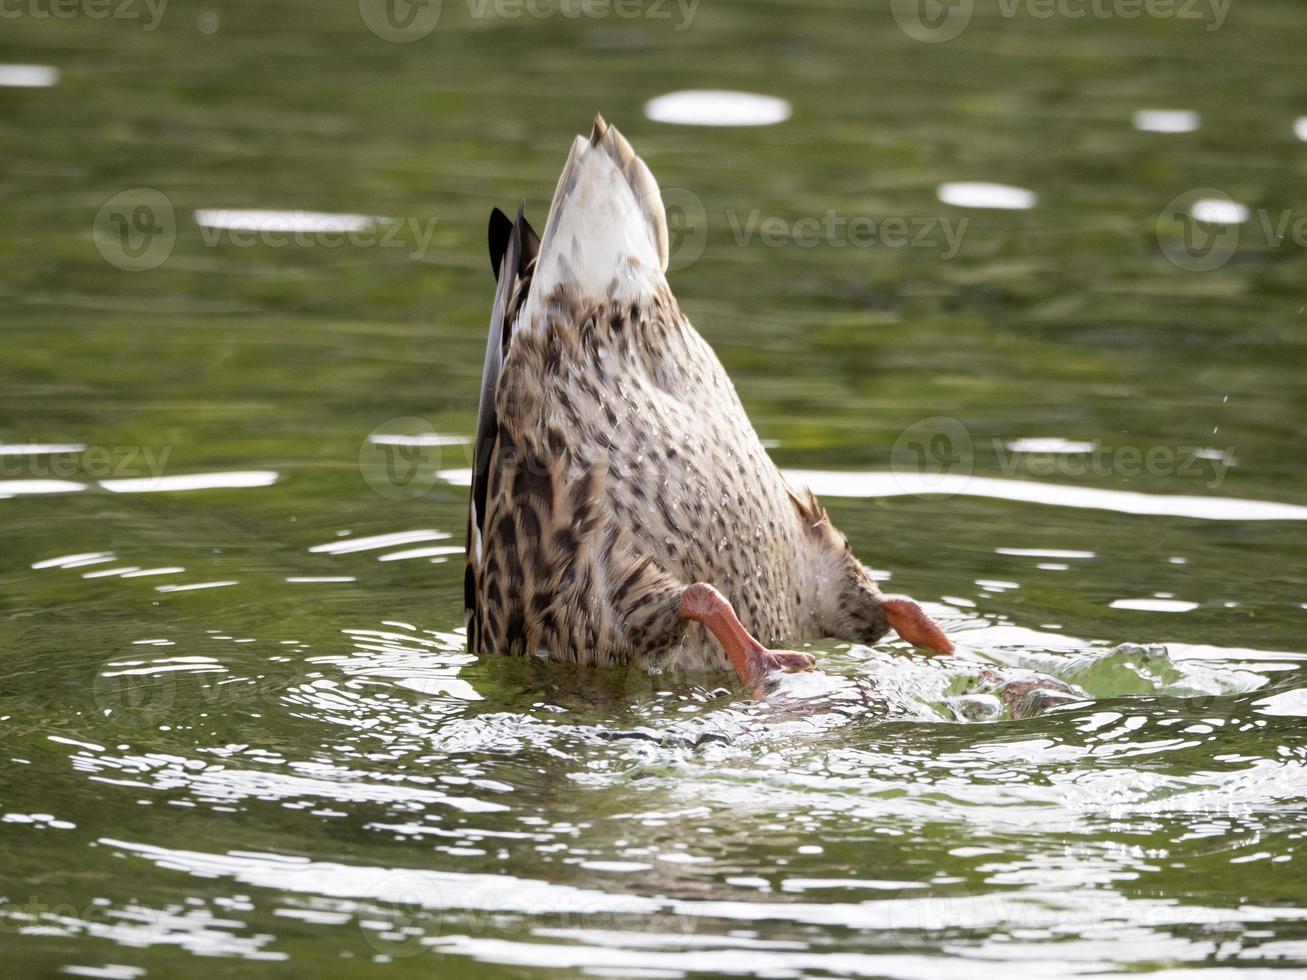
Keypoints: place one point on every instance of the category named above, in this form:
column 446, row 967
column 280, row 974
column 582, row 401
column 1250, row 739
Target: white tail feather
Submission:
column 606, row 236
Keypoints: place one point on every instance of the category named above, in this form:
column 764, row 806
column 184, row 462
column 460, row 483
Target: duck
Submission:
column 623, row 511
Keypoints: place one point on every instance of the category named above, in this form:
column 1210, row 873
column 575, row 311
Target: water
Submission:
column 239, row 727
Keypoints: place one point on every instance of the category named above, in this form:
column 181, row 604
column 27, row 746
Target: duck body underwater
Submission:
column 623, row 510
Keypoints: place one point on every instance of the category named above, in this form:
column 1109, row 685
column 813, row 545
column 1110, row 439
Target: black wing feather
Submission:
column 501, row 229
column 514, row 244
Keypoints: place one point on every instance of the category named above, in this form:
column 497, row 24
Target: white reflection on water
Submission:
column 1219, row 211
column 196, row 586
column 716, row 107
column 694, row 836
column 348, row 546
column 110, row 971
column 163, row 665
column 28, row 76
column 981, row 194
column 74, row 561
column 1166, row 120
column 194, row 929
column 1292, row 703
column 426, row 662
column 1055, row 926
column 286, row 222
column 235, row 479
column 420, row 439
column 96, row 560
column 112, row 572
column 1154, row 605
column 457, row 477
column 15, row 488
column 1051, row 445
column 437, row 551
column 835, row 483
column 40, row 449
column 1043, row 553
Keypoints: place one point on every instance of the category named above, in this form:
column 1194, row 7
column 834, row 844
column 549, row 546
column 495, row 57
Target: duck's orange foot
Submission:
column 752, row 661
column 787, row 661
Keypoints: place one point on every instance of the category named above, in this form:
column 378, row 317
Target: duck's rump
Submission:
column 614, row 462
column 624, row 470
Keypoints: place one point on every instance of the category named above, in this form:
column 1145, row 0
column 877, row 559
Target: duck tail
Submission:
column 606, row 235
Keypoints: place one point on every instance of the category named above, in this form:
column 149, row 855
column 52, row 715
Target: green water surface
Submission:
column 269, row 753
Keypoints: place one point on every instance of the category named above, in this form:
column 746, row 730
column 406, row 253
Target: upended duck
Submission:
column 623, row 510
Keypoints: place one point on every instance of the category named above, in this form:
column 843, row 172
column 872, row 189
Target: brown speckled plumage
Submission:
column 615, row 464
